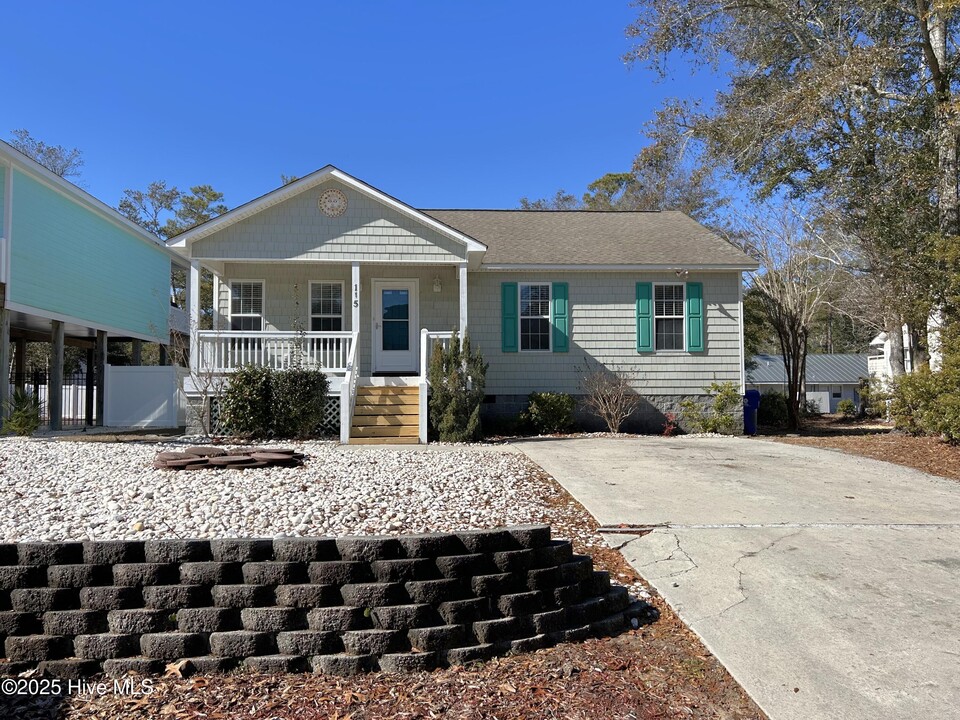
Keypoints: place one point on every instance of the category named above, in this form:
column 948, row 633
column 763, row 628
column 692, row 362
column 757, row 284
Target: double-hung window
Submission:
column 668, row 316
column 246, row 305
column 535, row 316
column 326, row 307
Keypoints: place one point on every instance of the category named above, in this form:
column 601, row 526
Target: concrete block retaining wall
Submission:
column 338, row 605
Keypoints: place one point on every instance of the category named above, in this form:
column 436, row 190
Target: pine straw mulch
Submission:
column 931, row 455
column 659, row 670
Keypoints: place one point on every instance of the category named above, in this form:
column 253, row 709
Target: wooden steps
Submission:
column 386, row 415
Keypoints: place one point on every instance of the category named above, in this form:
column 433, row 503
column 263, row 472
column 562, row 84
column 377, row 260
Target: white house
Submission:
column 375, row 282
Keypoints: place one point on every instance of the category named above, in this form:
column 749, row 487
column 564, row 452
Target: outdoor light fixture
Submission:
column 437, row 286
column 681, row 272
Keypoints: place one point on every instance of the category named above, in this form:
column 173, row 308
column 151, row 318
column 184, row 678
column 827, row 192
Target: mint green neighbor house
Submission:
column 333, row 271
column 72, row 271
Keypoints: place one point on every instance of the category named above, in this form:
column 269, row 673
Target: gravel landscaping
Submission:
column 66, row 490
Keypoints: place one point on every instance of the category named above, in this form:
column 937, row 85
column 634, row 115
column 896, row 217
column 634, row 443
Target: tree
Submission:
column 167, row 212
column 846, row 103
column 793, row 285
column 55, row 158
column 560, row 201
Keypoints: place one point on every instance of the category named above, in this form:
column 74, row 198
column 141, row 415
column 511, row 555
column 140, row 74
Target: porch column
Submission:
column 55, row 383
column 355, row 297
column 89, row 386
column 462, row 272
column 100, row 368
column 137, row 352
column 193, row 299
column 5, row 360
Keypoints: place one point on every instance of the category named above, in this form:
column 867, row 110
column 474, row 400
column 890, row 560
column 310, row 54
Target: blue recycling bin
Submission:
column 751, row 402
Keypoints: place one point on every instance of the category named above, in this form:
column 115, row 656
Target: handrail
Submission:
column 272, row 333
column 426, row 349
column 348, row 391
column 229, row 350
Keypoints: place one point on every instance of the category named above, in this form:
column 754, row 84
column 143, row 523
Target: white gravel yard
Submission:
column 60, row 489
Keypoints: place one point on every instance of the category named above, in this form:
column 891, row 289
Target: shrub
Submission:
column 913, row 401
column 874, row 396
column 549, row 412
column 669, row 424
column 457, row 383
column 846, row 408
column 24, row 411
column 299, row 398
column 810, row 408
column 720, row 418
column 772, row 412
column 608, row 395
column 246, row 406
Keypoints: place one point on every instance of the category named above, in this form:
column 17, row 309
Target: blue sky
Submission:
column 441, row 104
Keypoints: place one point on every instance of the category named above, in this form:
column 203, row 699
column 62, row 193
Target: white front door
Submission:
column 395, row 323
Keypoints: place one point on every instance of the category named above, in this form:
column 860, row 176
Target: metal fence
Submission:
column 78, row 395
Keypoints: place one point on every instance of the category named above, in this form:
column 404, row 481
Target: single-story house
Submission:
column 830, row 378
column 74, row 271
column 545, row 296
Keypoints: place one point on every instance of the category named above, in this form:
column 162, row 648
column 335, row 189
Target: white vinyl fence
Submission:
column 143, row 396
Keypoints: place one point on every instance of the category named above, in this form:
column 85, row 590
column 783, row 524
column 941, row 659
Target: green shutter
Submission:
column 560, row 317
column 644, row 317
column 509, row 328
column 694, row 307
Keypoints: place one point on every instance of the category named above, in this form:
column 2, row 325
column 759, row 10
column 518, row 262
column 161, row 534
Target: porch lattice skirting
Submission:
column 343, row 605
column 330, row 425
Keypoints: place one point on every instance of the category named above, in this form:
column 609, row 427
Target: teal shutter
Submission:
column 560, row 317
column 509, row 312
column 694, row 318
column 644, row 317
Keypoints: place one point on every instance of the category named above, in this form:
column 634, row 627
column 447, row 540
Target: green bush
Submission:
column 299, row 398
column 246, row 406
column 457, row 383
column 846, row 408
column 721, row 418
column 24, row 412
column 549, row 412
column 874, row 395
column 772, row 412
column 915, row 401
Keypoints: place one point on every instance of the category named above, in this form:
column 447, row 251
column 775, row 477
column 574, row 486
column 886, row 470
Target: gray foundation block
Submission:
column 512, row 561
column 177, row 551
column 544, row 579
column 404, row 617
column 404, row 570
column 241, row 550
column 22, row 576
column 500, row 630
column 308, row 595
column 465, row 566
column 211, row 573
column 34, row 648
column 20, row 623
column 273, row 619
column 339, row 572
column 242, row 596
column 138, row 574
column 276, row 664
column 305, row 550
column 242, row 643
column 580, row 568
column 138, row 622
column 487, row 541
column 368, row 549
column 373, row 594
column 208, row 619
column 549, row 622
column 524, row 603
column 374, row 642
column 44, row 599
column 470, row 654
column 113, row 552
column 274, row 573
column 338, row 619
column 530, row 644
column 408, row 662
column 343, row 665
column 110, row 597
column 106, row 646
column 555, row 553
column 119, row 667
column 497, row 584
column 78, row 576
column 174, row 597
column 309, row 642
column 431, row 545
column 208, row 664
column 461, row 612
column 69, row 669
column 48, row 553
column 173, row 645
column 74, row 622
column 8, row 554
column 437, row 591
column 441, row 637
column 530, row 536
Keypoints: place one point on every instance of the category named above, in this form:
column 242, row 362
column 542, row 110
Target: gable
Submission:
column 295, row 229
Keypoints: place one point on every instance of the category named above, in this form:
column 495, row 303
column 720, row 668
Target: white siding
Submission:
column 296, row 229
column 603, row 330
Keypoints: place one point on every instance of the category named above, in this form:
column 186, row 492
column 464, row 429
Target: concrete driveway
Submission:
column 828, row 584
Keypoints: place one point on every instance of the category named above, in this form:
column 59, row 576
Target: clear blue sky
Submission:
column 442, row 104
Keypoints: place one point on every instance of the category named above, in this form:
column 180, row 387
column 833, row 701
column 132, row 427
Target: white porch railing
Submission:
column 877, row 366
column 427, row 341
column 225, row 351
column 348, row 391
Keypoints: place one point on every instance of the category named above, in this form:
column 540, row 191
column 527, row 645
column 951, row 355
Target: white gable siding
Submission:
column 296, row 229
column 603, row 329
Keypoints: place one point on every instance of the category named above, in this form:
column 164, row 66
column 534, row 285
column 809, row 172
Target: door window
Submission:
column 396, row 319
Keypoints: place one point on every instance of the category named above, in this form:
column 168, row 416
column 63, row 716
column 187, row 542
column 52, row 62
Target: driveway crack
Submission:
column 672, row 557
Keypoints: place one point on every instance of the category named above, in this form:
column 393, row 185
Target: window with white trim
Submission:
column 246, row 305
column 326, row 307
column 535, row 316
column 668, row 316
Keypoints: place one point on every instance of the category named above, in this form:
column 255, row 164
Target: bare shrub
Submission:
column 608, row 395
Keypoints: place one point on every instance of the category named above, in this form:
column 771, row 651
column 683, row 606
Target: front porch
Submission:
column 389, row 317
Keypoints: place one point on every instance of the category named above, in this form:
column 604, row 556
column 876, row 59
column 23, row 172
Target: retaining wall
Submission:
column 338, row 605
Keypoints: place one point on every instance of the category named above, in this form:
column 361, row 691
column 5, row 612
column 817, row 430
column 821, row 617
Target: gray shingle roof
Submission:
column 821, row 370
column 667, row 238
